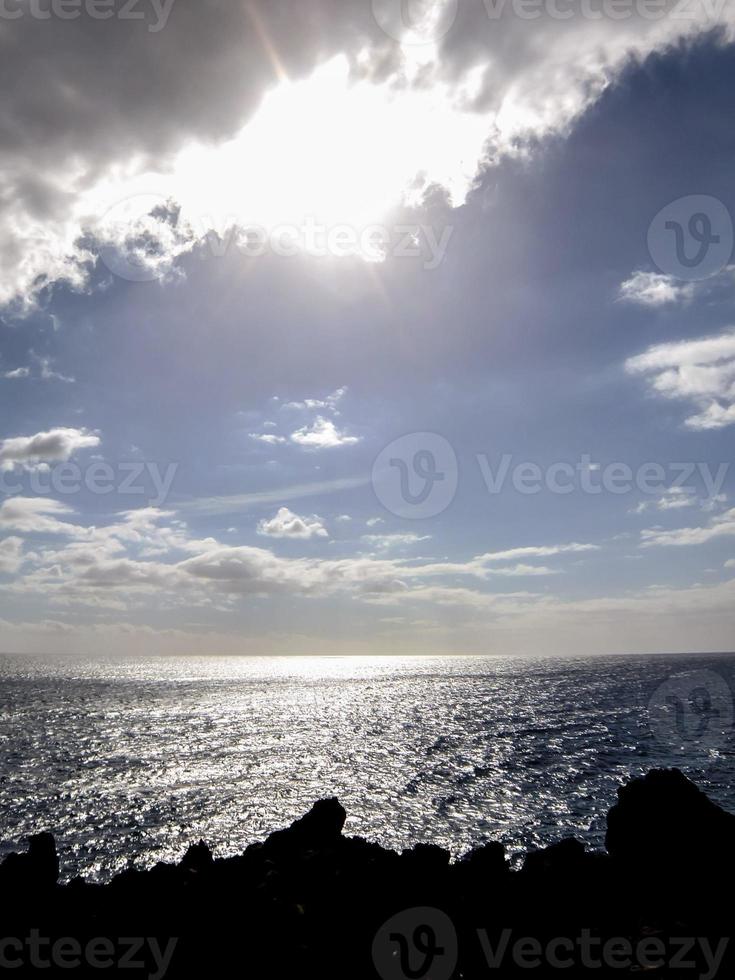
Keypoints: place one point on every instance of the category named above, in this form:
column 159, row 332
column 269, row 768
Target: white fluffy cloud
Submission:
column 322, row 434
column 106, row 568
column 36, row 515
column 145, row 553
column 11, row 555
column 654, row 289
column 54, row 446
column 701, row 371
column 286, row 524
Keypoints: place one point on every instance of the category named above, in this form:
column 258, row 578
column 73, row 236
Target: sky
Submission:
column 367, row 327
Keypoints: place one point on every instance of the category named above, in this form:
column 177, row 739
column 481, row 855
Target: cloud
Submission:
column 255, row 571
column 36, row 515
column 268, row 437
column 701, row 371
column 286, row 524
column 490, row 85
column 21, row 372
column 654, row 289
column 721, row 526
column 48, row 373
column 322, row 434
column 730, row 563
column 674, row 498
column 538, row 551
column 385, row 541
column 329, row 403
column 112, row 567
column 144, row 552
column 244, row 501
column 54, row 446
column 11, row 555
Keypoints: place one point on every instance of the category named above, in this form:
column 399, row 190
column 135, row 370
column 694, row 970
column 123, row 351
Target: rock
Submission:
column 426, row 859
column 565, row 857
column 44, row 861
column 663, row 822
column 198, row 858
column 488, row 859
column 38, row 868
column 320, row 827
column 310, row 902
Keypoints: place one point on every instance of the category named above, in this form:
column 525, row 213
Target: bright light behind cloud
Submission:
column 341, row 152
column 327, row 151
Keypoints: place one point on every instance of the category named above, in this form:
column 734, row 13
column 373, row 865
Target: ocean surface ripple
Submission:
column 142, row 756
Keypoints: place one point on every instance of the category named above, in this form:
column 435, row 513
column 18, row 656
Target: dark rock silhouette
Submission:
column 309, row 901
column 320, row 827
column 197, row 858
column 37, row 869
column 664, row 817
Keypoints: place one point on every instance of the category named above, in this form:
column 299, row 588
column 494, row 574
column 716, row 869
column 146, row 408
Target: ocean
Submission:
column 136, row 758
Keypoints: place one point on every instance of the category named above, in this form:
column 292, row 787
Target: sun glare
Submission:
column 337, row 152
column 325, row 150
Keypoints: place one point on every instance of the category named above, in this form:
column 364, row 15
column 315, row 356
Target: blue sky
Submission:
column 190, row 432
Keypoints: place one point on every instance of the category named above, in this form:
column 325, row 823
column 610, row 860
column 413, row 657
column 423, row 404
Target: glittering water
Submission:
column 142, row 756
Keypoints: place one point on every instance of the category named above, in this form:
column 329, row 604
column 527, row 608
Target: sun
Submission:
column 321, row 155
column 334, row 151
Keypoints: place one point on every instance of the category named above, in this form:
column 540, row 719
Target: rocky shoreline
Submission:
column 309, row 901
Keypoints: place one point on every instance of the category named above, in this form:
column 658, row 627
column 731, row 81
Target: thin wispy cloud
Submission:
column 721, row 526
column 700, row 371
column 234, row 503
